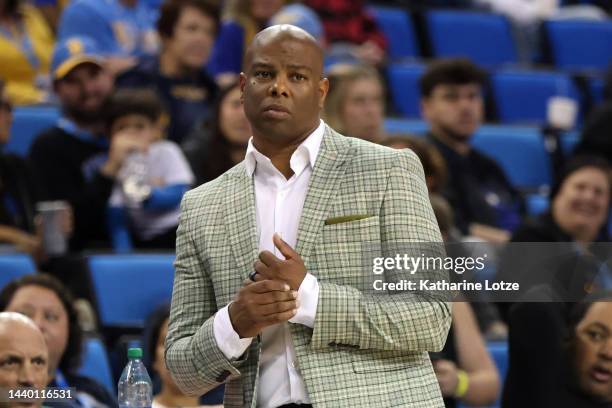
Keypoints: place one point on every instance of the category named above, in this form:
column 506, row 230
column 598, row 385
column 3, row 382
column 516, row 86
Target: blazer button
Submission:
column 221, row 377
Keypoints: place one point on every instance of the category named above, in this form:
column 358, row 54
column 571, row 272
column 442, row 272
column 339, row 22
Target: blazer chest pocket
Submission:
column 363, row 230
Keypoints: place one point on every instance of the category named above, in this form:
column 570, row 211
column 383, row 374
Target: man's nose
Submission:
column 26, row 375
column 279, row 86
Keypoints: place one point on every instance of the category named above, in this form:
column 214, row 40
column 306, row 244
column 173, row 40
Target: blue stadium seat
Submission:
column 499, row 353
column 596, row 88
column 519, row 151
column 579, row 44
column 95, row 363
column 569, row 141
column 129, row 287
column 484, row 38
column 522, row 96
column 404, row 86
column 29, row 122
column 397, row 26
column 13, row 266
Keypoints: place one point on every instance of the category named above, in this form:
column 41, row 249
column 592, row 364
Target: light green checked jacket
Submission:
column 364, row 350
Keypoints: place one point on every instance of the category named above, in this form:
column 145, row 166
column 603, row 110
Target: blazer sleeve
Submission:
column 403, row 321
column 193, row 357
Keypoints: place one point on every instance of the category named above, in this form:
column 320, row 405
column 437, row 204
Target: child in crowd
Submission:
column 144, row 204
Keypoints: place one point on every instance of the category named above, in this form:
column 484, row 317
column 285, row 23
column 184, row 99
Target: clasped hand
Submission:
column 272, row 298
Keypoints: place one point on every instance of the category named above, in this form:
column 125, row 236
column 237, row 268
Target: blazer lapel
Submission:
column 326, row 175
column 239, row 215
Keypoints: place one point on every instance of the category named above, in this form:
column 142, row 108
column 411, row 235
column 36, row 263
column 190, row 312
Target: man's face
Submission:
column 84, row 91
column 454, row 111
column 23, row 359
column 593, row 357
column 193, row 38
column 282, row 89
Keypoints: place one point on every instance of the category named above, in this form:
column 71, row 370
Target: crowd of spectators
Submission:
column 150, row 99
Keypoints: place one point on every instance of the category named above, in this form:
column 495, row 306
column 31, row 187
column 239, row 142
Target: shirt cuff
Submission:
column 227, row 339
column 308, row 296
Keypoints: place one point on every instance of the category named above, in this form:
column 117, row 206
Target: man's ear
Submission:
column 242, row 82
column 323, row 90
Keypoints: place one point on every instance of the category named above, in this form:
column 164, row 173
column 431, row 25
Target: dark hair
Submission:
column 433, row 162
column 10, row 7
column 580, row 162
column 459, row 71
column 71, row 358
column 153, row 326
column 212, row 156
column 133, row 101
column 170, row 12
column 577, row 313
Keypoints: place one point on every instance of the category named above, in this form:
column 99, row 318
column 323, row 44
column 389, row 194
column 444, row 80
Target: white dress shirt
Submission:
column 279, row 204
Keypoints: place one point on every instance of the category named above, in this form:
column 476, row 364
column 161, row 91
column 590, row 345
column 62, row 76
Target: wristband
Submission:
column 463, row 383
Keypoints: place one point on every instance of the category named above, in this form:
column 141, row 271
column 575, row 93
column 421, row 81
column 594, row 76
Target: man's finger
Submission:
column 268, row 285
column 261, row 269
column 268, row 258
column 283, row 247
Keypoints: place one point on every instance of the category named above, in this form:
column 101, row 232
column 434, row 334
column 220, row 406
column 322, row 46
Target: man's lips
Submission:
column 601, row 374
column 276, row 108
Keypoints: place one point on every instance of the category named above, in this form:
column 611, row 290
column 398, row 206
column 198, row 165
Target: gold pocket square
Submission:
column 346, row 218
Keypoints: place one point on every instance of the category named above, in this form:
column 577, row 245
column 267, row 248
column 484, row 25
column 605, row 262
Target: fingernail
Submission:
column 297, row 303
column 294, row 294
column 287, row 287
column 294, row 311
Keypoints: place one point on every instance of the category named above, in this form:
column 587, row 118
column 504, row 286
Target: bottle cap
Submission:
column 134, row 352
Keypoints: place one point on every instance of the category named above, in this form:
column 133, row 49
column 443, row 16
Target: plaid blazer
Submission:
column 364, row 351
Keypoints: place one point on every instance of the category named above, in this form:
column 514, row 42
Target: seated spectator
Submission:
column 220, row 146
column 560, row 356
column 187, row 30
column 355, row 104
column 169, row 395
column 74, row 161
column 243, row 19
column 485, row 203
column 579, row 207
column 578, row 213
column 350, row 31
column 123, row 29
column 150, row 184
column 23, row 356
column 48, row 303
column 26, row 43
column 431, row 159
column 17, row 192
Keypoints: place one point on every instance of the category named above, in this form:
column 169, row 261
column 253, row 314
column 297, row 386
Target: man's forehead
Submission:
column 285, row 53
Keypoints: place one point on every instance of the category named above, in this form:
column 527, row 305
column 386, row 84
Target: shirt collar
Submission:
column 305, row 154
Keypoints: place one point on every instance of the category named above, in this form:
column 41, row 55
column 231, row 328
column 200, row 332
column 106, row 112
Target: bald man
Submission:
column 23, row 355
column 270, row 292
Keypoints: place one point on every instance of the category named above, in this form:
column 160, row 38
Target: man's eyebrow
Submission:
column 258, row 64
column 298, row 67
column 598, row 325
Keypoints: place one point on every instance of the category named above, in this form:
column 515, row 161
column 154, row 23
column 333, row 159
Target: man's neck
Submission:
column 95, row 128
column 280, row 155
column 462, row 147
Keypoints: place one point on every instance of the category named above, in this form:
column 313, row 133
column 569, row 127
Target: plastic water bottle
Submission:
column 135, row 386
column 134, row 175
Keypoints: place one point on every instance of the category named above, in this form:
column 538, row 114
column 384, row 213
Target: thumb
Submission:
column 283, row 247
